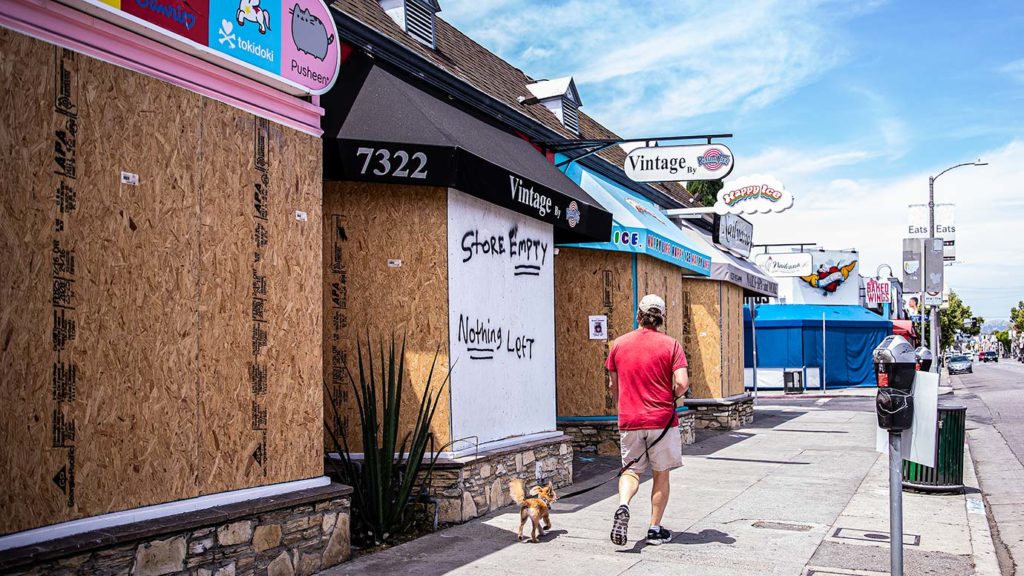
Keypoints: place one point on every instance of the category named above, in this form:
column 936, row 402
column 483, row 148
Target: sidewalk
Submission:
column 801, row 491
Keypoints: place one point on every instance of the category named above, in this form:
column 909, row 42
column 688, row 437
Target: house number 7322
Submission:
column 384, row 162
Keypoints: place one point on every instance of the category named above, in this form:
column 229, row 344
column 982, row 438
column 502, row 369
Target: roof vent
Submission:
column 416, row 17
column 561, row 97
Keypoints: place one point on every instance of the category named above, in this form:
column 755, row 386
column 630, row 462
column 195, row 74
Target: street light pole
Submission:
column 934, row 317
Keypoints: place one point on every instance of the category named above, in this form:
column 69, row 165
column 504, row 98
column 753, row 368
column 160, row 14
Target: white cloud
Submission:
column 1014, row 70
column 871, row 215
column 666, row 61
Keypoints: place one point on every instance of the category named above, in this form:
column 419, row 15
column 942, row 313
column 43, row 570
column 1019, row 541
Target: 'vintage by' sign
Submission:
column 679, row 163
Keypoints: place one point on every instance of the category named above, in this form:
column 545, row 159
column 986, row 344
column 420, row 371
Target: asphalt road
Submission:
column 1000, row 387
column 994, row 395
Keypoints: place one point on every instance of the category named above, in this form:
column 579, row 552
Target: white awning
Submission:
column 727, row 267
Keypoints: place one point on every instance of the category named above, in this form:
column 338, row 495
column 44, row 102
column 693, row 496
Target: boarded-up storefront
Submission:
column 440, row 228
column 598, row 287
column 160, row 293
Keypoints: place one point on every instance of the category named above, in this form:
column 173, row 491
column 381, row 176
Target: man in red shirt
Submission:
column 647, row 373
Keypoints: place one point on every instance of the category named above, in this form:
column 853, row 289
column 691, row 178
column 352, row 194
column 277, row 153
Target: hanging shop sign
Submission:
column 679, row 163
column 293, row 43
column 756, row 194
column 877, row 291
column 734, row 233
column 945, row 226
column 785, row 265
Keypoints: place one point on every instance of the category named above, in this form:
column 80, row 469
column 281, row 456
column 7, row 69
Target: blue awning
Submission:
column 780, row 315
column 638, row 225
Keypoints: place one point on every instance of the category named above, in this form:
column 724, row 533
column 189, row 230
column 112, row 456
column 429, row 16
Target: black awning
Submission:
column 380, row 128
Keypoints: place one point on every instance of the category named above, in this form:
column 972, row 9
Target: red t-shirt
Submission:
column 645, row 360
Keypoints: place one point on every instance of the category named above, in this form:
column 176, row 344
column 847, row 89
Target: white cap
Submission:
column 652, row 302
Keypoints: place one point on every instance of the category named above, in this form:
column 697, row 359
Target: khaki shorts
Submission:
column 665, row 455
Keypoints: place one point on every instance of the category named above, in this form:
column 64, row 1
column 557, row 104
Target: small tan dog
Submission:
column 535, row 507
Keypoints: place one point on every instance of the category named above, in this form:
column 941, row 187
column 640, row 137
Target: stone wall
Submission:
column 295, row 534
column 724, row 414
column 473, row 486
column 602, row 437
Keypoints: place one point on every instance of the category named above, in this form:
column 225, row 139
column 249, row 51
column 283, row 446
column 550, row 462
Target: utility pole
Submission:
column 934, row 317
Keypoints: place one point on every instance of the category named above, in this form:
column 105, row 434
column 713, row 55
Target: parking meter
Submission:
column 895, row 368
column 924, row 358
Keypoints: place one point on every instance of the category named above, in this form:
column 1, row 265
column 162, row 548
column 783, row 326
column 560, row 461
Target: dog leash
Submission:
column 647, row 448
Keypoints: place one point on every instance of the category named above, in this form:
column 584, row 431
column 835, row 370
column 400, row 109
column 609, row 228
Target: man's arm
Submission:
column 613, row 385
column 680, row 382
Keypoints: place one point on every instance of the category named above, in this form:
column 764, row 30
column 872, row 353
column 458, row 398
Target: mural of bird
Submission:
column 829, row 278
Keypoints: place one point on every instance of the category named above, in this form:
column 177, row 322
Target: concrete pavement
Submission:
column 801, row 491
column 995, row 433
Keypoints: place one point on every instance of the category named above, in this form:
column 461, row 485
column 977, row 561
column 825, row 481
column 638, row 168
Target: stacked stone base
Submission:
column 723, row 413
column 601, row 437
column 295, row 534
column 468, row 487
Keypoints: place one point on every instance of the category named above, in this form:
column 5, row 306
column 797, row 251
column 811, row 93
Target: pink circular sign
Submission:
column 310, row 49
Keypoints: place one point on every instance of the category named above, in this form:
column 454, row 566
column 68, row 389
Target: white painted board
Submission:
column 919, row 444
column 501, row 307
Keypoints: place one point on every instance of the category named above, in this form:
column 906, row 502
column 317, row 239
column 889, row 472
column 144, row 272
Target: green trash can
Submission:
column 948, row 474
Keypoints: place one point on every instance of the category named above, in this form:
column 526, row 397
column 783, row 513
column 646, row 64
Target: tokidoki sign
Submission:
column 679, row 163
column 290, row 44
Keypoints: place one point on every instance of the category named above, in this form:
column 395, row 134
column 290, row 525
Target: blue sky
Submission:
column 851, row 104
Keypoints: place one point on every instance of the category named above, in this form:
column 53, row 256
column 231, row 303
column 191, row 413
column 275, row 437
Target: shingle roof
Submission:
column 460, row 56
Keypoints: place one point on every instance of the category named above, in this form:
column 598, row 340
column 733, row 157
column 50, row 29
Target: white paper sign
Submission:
column 501, row 311
column 919, row 443
column 598, row 327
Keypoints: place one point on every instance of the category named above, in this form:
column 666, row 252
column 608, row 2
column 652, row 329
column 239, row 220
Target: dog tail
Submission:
column 515, row 489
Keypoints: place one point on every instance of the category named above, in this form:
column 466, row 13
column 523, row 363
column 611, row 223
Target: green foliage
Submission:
column 1017, row 317
column 704, row 191
column 390, row 471
column 1003, row 337
column 951, row 322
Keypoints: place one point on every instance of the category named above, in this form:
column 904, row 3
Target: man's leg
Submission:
column 629, row 482
column 659, row 495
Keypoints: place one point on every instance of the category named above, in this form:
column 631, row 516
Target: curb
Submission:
column 983, row 551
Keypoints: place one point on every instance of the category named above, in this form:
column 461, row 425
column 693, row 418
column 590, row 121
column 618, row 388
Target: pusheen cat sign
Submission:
column 294, row 43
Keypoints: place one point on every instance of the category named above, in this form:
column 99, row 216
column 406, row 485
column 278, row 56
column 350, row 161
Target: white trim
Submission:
column 65, row 529
column 483, row 449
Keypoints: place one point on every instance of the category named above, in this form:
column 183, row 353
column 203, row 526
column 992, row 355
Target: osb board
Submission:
column 732, row 340
column 138, row 297
column 654, row 276
column 27, row 229
column 364, row 227
column 588, row 283
column 702, row 338
column 239, row 447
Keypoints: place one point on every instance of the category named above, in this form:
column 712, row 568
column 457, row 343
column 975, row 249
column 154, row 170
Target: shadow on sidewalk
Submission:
column 706, row 536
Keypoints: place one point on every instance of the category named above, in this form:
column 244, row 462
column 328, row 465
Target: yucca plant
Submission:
column 389, row 473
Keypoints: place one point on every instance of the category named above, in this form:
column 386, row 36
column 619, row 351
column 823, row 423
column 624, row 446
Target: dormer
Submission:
column 559, row 96
column 416, row 17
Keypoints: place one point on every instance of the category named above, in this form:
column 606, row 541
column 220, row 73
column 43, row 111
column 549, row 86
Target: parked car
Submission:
column 960, row 363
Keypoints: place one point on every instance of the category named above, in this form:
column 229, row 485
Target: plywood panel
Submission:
column 28, row 462
column 732, row 340
column 365, row 226
column 656, row 276
column 153, row 404
column 135, row 258
column 588, row 282
column 294, row 255
column 702, row 337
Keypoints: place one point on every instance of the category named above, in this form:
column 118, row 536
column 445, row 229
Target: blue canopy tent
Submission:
column 791, row 337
